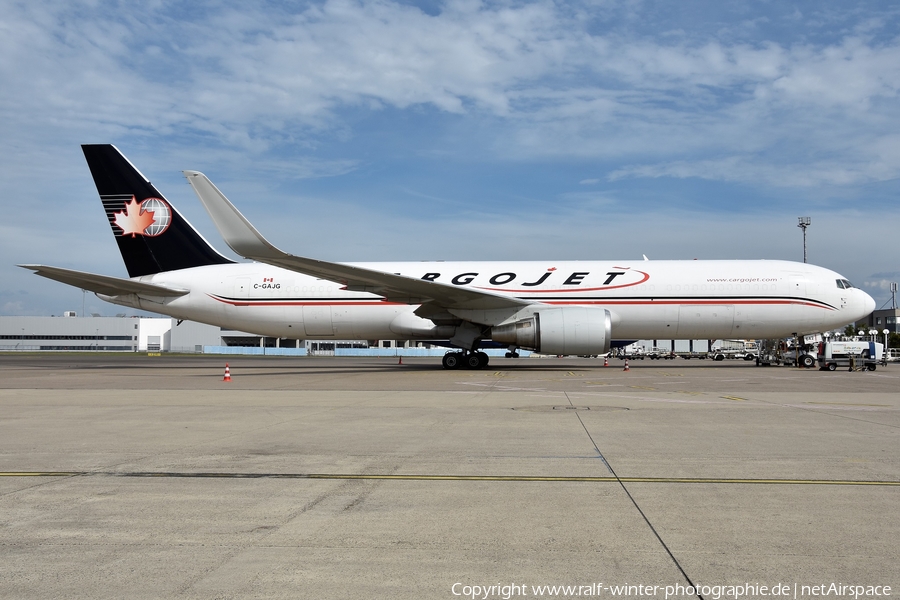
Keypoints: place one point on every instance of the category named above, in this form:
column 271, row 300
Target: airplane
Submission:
column 548, row 306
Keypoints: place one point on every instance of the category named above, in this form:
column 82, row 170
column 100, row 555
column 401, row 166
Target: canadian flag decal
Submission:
column 133, row 220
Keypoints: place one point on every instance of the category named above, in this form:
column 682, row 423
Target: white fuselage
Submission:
column 708, row 299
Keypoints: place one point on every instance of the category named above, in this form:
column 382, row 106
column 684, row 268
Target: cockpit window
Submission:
column 843, row 284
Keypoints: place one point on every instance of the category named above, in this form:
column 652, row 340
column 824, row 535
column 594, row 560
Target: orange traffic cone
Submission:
column 605, row 361
column 626, row 366
column 400, row 362
column 227, row 373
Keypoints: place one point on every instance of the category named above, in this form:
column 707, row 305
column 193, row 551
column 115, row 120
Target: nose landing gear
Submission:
column 468, row 360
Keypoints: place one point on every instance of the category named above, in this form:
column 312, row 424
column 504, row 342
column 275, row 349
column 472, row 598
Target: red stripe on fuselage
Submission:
column 234, row 302
column 689, row 302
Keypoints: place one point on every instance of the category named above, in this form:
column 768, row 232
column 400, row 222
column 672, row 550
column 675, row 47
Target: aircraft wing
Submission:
column 103, row 284
column 244, row 239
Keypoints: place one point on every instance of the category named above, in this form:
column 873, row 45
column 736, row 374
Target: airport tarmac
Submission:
column 150, row 477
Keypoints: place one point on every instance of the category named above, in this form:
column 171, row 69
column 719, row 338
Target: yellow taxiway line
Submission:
column 423, row 477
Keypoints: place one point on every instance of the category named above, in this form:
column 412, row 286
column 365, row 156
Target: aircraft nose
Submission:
column 868, row 304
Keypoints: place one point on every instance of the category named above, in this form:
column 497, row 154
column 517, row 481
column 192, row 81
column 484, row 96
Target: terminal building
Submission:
column 164, row 334
column 880, row 320
column 105, row 334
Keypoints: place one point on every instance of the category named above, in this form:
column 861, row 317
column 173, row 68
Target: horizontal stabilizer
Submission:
column 103, row 284
column 244, row 239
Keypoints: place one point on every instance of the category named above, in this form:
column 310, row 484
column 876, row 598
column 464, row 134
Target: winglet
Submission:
column 244, row 239
column 240, row 235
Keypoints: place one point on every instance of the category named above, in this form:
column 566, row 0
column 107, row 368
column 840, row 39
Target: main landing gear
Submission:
column 465, row 360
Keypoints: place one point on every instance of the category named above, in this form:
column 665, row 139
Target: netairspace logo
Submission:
column 710, row 592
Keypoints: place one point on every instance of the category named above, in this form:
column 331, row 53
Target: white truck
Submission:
column 741, row 349
column 864, row 356
column 656, row 353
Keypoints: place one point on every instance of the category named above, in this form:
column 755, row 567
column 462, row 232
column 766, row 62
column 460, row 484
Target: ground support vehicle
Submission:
column 630, row 353
column 730, row 353
column 771, row 352
column 807, row 358
column 856, row 356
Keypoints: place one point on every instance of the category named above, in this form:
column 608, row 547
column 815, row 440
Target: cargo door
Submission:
column 317, row 321
column 705, row 321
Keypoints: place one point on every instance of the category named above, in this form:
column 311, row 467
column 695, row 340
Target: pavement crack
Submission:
column 634, row 502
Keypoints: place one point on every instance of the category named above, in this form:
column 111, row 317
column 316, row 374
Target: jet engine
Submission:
column 564, row 330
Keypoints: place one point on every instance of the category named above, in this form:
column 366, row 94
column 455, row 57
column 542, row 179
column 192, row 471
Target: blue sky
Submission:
column 459, row 130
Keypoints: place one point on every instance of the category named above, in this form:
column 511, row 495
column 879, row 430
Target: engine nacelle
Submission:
column 565, row 330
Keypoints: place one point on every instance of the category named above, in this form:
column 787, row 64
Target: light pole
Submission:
column 884, row 355
column 803, row 224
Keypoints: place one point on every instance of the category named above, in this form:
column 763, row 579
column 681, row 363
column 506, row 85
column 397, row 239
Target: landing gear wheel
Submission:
column 472, row 361
column 452, row 360
column 483, row 359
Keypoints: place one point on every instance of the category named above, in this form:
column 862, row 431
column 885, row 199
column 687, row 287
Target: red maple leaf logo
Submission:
column 134, row 220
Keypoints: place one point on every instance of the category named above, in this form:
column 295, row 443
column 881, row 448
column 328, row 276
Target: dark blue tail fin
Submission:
column 152, row 236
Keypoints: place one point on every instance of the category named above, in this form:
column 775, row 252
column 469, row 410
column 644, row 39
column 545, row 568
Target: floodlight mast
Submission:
column 803, row 224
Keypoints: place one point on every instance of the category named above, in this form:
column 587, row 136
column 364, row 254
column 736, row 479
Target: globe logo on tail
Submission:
column 162, row 216
column 151, row 217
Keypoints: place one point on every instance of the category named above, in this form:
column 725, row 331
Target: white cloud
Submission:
column 852, row 74
column 750, row 168
column 251, row 79
column 261, row 95
column 879, row 284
